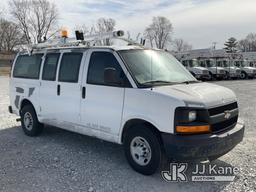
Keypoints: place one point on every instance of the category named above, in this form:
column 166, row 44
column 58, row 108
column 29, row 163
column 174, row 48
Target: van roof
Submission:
column 113, row 47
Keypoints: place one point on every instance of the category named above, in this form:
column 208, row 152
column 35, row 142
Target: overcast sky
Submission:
column 200, row 22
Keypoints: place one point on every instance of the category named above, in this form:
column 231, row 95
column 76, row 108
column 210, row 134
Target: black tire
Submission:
column 153, row 164
column 243, row 75
column 215, row 157
column 28, row 114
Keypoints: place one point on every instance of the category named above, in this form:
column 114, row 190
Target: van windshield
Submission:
column 151, row 67
column 210, row 63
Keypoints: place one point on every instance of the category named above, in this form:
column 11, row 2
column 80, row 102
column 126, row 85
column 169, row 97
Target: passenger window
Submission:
column 50, row 66
column 28, row 66
column 69, row 67
column 99, row 63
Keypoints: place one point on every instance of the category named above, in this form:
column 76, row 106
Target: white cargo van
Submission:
column 141, row 98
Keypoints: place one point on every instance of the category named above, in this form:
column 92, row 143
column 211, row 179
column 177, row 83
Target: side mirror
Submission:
column 110, row 76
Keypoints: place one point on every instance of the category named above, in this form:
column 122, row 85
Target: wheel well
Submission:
column 129, row 124
column 24, row 103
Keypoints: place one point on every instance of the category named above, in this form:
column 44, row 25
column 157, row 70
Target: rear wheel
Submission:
column 29, row 122
column 143, row 150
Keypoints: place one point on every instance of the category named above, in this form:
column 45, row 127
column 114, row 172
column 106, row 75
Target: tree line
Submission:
column 248, row 44
column 35, row 21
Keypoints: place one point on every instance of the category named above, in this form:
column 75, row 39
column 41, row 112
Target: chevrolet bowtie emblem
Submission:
column 227, row 114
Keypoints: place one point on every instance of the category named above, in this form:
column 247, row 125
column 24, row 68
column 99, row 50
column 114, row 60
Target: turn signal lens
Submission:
column 193, row 129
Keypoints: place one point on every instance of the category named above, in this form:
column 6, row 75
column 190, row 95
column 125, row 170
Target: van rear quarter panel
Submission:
column 153, row 107
column 20, row 89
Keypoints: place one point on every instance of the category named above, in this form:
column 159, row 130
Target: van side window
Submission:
column 69, row 67
column 28, row 66
column 100, row 61
column 50, row 66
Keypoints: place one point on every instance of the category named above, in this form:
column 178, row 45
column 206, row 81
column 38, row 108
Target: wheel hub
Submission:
column 140, row 151
column 28, row 121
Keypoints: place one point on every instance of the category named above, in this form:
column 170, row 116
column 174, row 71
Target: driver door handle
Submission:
column 58, row 89
column 83, row 92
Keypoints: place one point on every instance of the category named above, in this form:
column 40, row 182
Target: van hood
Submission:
column 199, row 94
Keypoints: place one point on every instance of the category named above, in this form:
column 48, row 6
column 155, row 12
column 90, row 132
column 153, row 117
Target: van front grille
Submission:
column 223, row 124
column 222, row 109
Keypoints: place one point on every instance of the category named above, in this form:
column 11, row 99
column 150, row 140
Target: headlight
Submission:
column 191, row 120
column 191, row 116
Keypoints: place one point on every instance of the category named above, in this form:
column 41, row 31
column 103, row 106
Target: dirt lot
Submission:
column 59, row 160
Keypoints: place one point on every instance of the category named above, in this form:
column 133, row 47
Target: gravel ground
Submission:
column 59, row 160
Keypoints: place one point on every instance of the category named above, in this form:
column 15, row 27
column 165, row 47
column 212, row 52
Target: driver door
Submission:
column 102, row 102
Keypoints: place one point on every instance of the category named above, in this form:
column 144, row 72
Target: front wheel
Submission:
column 29, row 122
column 143, row 150
column 243, row 75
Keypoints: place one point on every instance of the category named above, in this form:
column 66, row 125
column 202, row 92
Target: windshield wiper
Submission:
column 188, row 82
column 157, row 82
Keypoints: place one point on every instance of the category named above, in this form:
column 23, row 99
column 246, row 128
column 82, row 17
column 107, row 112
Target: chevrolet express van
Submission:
column 140, row 98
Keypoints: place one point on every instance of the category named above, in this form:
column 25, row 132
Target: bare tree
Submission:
column 105, row 25
column 86, row 29
column 36, row 18
column 243, row 45
column 10, row 35
column 248, row 44
column 150, row 36
column 159, row 32
column 180, row 45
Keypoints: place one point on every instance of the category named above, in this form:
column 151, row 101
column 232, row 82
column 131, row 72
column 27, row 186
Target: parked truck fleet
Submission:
column 207, row 64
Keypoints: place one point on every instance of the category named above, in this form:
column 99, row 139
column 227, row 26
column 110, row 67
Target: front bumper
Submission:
column 251, row 75
column 235, row 75
column 220, row 75
column 193, row 147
